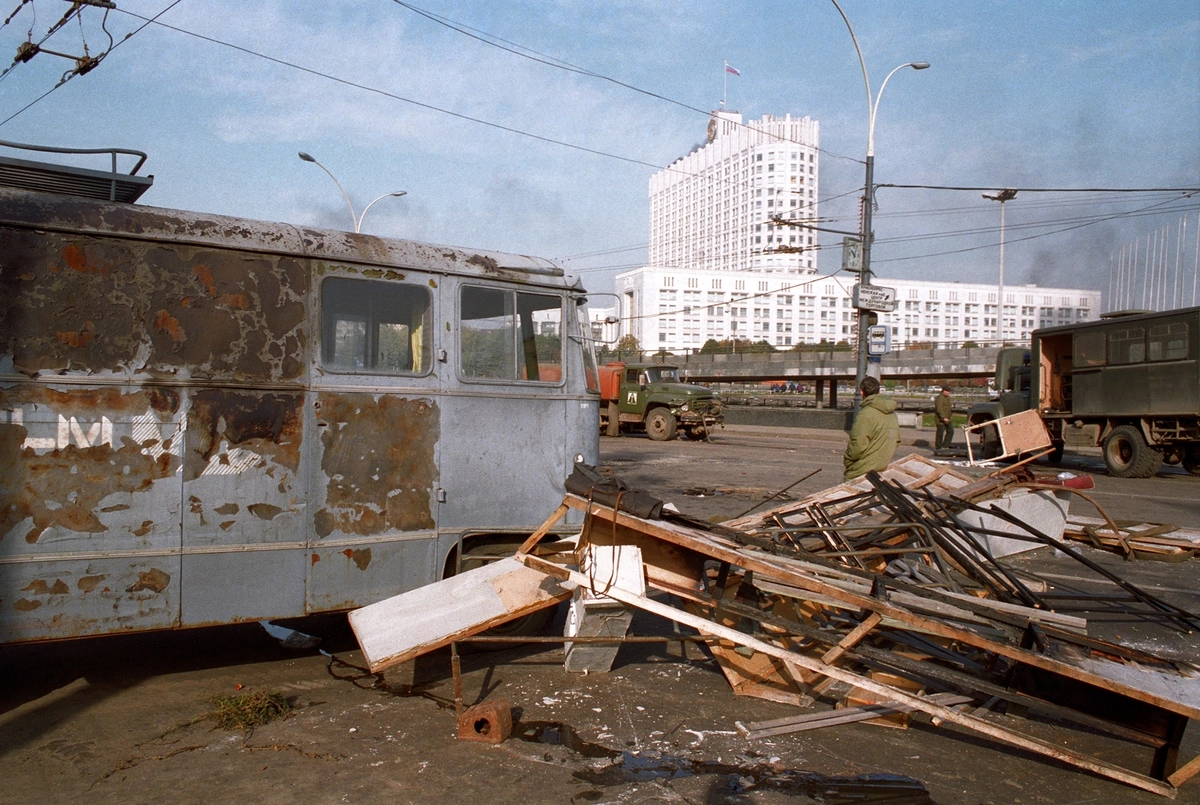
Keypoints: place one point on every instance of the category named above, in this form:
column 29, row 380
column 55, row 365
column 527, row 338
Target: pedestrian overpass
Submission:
column 828, row 367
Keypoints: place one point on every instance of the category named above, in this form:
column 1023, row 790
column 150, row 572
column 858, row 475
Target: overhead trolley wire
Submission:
column 523, row 52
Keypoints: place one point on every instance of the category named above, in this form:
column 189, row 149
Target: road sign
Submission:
column 852, row 255
column 874, row 297
column 879, row 340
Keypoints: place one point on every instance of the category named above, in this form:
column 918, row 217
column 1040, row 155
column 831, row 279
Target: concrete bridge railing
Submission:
column 766, row 366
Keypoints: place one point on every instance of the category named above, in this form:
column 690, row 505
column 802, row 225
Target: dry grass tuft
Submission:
column 249, row 709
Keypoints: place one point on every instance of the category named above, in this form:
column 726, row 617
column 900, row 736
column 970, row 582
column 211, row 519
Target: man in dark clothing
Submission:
column 944, row 439
column 875, row 434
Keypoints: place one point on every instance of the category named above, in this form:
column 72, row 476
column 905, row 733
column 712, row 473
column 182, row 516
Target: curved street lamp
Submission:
column 355, row 217
column 868, row 195
column 1007, row 194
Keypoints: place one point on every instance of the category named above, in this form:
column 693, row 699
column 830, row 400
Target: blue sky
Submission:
column 1098, row 94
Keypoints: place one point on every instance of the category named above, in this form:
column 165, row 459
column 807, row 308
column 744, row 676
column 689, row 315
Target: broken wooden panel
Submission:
column 912, row 472
column 413, row 623
column 592, row 614
column 178, row 311
column 1019, row 433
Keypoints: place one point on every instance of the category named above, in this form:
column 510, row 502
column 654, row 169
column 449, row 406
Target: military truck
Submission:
column 650, row 397
column 1129, row 382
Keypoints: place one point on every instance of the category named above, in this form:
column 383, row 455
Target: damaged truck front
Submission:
column 206, row 420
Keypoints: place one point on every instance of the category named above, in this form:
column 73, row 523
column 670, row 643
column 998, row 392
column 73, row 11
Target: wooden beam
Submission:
column 1185, row 772
column 544, row 528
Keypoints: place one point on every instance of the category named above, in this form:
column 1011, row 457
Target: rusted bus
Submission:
column 208, row 420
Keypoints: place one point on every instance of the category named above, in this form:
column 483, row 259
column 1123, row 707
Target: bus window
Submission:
column 378, row 327
column 1127, row 346
column 507, row 335
column 1168, row 342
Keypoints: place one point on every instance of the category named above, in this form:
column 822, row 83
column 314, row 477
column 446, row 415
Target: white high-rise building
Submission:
column 712, row 209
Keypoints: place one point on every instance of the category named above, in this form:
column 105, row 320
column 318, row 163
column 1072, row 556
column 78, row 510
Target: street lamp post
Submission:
column 355, row 217
column 1004, row 195
column 865, row 275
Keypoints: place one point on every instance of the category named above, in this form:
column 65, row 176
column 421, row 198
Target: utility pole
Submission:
column 1004, row 195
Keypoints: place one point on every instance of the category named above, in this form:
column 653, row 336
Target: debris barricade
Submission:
column 891, row 594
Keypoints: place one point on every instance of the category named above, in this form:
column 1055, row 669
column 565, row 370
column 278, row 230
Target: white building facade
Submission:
column 679, row 310
column 724, row 267
column 712, row 209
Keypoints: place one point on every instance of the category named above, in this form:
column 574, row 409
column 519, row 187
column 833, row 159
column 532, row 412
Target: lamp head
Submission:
column 1008, row 194
column 919, row 65
column 306, row 157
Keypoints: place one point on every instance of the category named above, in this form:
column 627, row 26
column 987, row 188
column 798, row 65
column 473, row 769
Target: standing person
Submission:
column 942, row 411
column 875, row 434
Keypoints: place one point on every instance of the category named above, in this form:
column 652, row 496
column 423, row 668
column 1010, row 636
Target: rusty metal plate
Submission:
column 121, row 306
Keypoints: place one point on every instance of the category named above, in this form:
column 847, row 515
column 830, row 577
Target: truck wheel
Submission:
column 1127, row 455
column 1191, row 458
column 989, row 442
column 660, row 425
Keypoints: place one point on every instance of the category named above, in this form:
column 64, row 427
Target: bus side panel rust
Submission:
column 89, row 510
column 245, row 506
column 379, row 473
column 121, row 306
column 378, row 462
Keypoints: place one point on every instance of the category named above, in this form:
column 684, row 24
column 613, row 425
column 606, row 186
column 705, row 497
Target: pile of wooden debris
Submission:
column 890, row 595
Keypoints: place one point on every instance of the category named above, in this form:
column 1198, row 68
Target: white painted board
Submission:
column 413, row 623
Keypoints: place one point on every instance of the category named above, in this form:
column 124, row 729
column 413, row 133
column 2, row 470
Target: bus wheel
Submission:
column 1127, row 455
column 660, row 425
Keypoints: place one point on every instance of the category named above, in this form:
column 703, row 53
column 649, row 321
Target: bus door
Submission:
column 507, row 414
column 375, row 409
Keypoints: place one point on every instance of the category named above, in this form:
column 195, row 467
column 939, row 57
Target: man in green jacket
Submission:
column 875, row 434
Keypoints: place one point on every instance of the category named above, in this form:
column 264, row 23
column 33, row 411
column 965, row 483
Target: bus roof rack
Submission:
column 48, row 177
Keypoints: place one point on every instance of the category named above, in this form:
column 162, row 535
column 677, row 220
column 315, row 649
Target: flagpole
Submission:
column 725, row 89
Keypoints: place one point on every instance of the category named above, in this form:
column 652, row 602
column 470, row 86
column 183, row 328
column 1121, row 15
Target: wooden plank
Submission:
column 851, row 640
column 802, row 575
column 543, row 529
column 832, row 718
column 886, row 691
column 1185, row 772
column 413, row 623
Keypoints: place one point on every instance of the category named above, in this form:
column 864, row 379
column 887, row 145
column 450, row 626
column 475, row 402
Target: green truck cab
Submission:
column 650, row 397
column 1129, row 383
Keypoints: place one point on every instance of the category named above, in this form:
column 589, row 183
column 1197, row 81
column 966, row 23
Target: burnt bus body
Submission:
column 206, row 420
